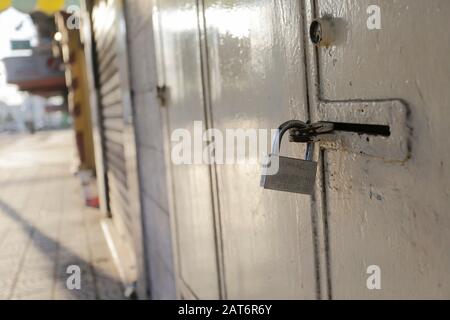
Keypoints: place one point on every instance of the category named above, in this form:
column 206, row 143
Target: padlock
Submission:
column 289, row 174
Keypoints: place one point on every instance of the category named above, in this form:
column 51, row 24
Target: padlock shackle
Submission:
column 285, row 127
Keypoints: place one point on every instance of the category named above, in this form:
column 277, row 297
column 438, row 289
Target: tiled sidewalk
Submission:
column 44, row 225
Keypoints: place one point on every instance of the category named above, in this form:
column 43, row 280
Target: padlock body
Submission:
column 294, row 175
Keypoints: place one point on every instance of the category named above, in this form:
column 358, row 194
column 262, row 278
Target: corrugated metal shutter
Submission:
column 111, row 102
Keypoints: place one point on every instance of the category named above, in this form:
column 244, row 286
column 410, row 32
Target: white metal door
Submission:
column 236, row 65
column 391, row 214
column 257, row 81
column 180, row 70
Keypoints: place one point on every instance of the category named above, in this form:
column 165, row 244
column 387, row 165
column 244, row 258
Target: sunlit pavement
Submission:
column 44, row 225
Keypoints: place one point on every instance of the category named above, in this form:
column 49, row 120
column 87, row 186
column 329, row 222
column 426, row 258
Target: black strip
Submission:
column 370, row 129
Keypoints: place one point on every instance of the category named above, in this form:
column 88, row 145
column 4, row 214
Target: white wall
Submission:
column 148, row 121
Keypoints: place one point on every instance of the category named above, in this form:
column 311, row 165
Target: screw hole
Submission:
column 315, row 32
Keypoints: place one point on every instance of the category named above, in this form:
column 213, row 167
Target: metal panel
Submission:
column 179, row 61
column 256, row 60
column 378, row 212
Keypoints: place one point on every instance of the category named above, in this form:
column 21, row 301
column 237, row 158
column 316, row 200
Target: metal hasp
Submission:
column 391, row 144
column 372, row 128
column 289, row 174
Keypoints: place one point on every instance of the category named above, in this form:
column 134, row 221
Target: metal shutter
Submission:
column 111, row 102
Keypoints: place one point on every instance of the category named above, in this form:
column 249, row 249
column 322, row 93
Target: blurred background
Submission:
column 33, row 97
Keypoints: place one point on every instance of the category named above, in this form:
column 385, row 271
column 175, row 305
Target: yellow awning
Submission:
column 46, row 6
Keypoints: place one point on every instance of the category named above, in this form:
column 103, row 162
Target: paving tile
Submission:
column 44, row 226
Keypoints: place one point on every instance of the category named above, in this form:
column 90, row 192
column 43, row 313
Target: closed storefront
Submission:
column 114, row 134
column 112, row 102
column 381, row 191
column 367, row 79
